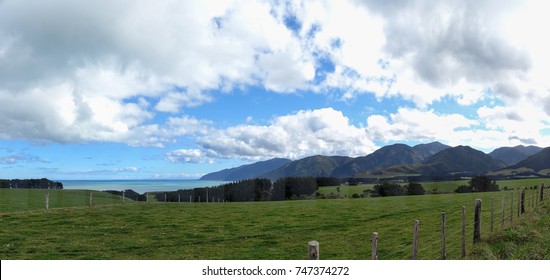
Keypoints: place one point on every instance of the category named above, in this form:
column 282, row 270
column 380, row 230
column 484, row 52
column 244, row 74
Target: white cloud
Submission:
column 188, row 156
column 323, row 131
column 415, row 124
column 103, row 70
column 496, row 127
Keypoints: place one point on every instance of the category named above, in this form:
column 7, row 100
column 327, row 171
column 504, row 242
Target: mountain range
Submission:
column 431, row 159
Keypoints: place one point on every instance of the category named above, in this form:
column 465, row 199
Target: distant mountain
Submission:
column 432, row 159
column 315, row 166
column 513, row 155
column 537, row 162
column 397, row 154
column 463, row 159
column 430, row 149
column 246, row 171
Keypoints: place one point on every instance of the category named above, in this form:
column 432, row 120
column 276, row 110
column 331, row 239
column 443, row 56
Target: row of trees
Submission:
column 247, row 190
column 476, row 184
column 394, row 189
column 30, row 184
column 479, row 184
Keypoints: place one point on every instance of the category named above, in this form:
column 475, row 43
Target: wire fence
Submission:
column 456, row 232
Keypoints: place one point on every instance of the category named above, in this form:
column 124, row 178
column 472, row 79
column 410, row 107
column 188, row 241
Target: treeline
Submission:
column 30, row 184
column 479, row 184
column 394, row 189
column 259, row 189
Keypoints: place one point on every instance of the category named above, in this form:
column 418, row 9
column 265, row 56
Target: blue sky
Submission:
column 178, row 89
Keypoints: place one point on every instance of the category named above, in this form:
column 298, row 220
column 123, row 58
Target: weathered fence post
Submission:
column 374, row 254
column 179, row 197
column 541, row 191
column 313, row 252
column 519, row 200
column 534, row 197
column 522, row 201
column 512, row 209
column 146, row 197
column 415, row 240
column 91, row 199
column 190, row 199
column 443, row 229
column 463, row 253
column 47, row 200
column 206, row 195
column 492, row 213
column 165, row 197
column 477, row 221
column 502, row 219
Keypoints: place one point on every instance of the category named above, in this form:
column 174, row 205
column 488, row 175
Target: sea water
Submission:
column 140, row 186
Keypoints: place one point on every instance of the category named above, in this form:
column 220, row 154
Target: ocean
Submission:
column 140, row 186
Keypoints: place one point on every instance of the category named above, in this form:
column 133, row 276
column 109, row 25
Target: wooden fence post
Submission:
column 415, row 240
column 477, row 221
column 146, row 197
column 313, row 252
column 91, row 199
column 190, row 199
column 534, row 197
column 541, row 191
column 463, row 253
column 206, row 195
column 502, row 220
column 519, row 201
column 179, row 197
column 492, row 213
column 374, row 254
column 47, row 200
column 164, row 197
column 522, row 201
column 512, row 209
column 443, row 229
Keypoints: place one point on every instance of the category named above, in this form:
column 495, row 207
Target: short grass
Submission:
column 12, row 200
column 436, row 187
column 262, row 230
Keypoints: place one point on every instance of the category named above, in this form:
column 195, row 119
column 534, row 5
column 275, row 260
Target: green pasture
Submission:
column 252, row 230
column 12, row 200
column 436, row 187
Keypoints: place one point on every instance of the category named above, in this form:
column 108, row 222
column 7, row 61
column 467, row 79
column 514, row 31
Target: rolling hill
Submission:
column 455, row 160
column 430, row 149
column 513, row 155
column 538, row 163
column 463, row 159
column 397, row 154
column 432, row 159
column 315, row 166
column 246, row 171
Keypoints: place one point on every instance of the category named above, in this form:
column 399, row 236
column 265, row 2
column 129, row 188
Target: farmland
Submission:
column 251, row 230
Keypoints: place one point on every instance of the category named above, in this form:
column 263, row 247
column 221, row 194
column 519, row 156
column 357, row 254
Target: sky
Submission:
column 135, row 89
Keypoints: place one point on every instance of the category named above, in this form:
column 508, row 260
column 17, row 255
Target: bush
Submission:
column 415, row 189
column 387, row 189
column 479, row 184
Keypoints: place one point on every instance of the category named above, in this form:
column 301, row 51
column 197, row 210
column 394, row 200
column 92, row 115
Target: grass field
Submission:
column 263, row 230
column 12, row 200
column 436, row 187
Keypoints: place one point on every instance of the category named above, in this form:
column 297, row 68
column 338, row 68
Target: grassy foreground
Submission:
column 263, row 230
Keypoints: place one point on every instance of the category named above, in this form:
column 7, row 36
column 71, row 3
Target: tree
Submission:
column 387, row 189
column 479, row 184
column 415, row 189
